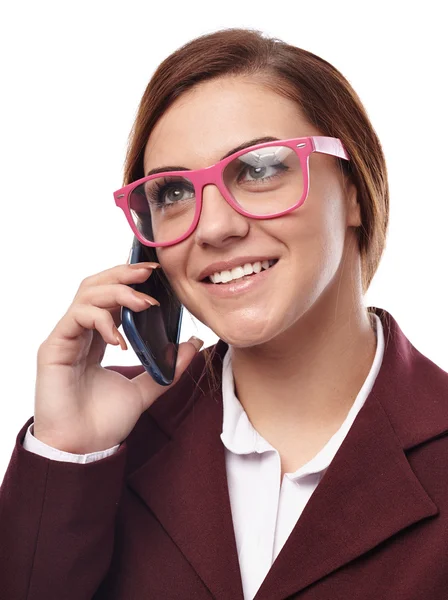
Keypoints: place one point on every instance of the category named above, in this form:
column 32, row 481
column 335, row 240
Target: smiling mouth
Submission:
column 241, row 273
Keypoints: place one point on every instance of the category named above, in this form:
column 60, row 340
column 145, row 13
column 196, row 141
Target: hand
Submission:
column 80, row 406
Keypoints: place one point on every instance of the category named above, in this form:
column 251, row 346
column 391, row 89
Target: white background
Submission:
column 72, row 75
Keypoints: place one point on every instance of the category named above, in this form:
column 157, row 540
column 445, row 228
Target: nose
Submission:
column 219, row 223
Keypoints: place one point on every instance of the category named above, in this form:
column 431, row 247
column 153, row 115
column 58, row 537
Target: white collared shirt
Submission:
column 264, row 511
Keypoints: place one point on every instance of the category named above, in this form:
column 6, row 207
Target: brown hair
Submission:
column 326, row 98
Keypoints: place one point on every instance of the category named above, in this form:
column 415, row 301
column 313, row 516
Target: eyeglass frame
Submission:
column 213, row 175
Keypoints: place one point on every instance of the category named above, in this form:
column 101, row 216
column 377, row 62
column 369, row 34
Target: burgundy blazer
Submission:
column 154, row 521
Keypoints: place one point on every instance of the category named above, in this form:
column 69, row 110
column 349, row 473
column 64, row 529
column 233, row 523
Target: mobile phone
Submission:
column 154, row 333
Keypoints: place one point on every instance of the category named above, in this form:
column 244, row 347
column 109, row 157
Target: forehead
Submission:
column 208, row 121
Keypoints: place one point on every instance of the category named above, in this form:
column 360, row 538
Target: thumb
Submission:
column 150, row 389
column 185, row 354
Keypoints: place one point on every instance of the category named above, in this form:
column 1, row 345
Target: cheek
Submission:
column 315, row 229
column 326, row 245
column 314, row 238
column 173, row 261
column 326, row 207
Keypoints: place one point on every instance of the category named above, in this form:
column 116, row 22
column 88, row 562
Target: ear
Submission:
column 353, row 206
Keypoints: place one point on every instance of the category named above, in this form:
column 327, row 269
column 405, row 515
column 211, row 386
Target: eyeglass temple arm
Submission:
column 330, row 145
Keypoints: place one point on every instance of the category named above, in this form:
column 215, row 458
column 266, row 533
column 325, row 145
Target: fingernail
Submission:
column 145, row 265
column 119, row 338
column 197, row 343
column 121, row 342
column 151, row 301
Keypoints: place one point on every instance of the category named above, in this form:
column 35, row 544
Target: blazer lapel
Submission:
column 368, row 493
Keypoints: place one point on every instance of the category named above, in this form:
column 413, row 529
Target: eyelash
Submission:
column 160, row 189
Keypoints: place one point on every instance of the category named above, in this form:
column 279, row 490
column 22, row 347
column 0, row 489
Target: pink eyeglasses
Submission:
column 264, row 181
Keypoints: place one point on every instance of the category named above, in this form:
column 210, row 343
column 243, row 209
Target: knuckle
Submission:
column 85, row 282
column 72, row 311
column 41, row 348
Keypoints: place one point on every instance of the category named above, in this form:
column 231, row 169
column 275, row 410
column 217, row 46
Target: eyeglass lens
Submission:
column 262, row 182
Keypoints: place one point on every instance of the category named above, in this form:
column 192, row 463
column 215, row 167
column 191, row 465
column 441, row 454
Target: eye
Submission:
column 261, row 165
column 164, row 192
column 172, row 193
column 259, row 173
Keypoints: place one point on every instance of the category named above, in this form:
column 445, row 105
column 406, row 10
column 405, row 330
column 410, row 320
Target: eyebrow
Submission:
column 242, row 146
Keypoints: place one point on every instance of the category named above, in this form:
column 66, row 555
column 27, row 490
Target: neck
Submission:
column 308, row 378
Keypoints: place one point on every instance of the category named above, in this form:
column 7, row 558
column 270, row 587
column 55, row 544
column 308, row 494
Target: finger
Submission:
column 121, row 274
column 113, row 295
column 185, row 354
column 80, row 318
column 146, row 384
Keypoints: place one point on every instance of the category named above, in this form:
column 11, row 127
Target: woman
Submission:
column 305, row 456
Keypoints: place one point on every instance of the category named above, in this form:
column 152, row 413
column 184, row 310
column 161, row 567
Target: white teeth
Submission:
column 238, row 272
column 226, row 276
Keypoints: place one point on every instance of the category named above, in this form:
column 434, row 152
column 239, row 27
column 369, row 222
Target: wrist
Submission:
column 63, row 444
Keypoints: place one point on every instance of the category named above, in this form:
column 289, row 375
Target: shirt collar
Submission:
column 240, row 437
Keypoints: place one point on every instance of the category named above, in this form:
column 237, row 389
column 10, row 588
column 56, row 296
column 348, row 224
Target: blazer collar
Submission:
column 368, row 493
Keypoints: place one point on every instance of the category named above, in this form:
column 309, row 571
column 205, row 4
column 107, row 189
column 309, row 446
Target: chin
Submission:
column 244, row 333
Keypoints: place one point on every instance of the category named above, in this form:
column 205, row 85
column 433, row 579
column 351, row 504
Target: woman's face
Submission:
column 202, row 126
